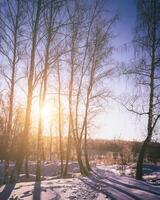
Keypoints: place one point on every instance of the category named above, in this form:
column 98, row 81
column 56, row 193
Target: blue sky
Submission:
column 124, row 27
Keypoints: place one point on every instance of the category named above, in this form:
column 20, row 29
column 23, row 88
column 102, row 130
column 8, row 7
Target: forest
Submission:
column 57, row 73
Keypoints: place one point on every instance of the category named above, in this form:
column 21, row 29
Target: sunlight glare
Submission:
column 47, row 112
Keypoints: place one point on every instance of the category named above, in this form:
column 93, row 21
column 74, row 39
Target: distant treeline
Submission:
column 127, row 148
column 109, row 151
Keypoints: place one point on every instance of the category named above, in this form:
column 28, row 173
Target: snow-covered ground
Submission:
column 104, row 182
column 67, row 189
column 151, row 172
column 122, row 187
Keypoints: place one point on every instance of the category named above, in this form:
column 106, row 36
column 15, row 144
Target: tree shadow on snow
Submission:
column 104, row 187
column 134, row 184
column 114, row 188
column 37, row 191
column 5, row 194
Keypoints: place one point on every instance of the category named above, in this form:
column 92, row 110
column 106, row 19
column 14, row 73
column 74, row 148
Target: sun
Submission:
column 47, row 112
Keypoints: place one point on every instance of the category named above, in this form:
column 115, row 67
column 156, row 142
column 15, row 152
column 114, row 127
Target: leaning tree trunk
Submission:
column 139, row 168
column 59, row 120
column 65, row 171
column 39, row 139
column 26, row 166
column 24, row 145
column 82, row 168
column 86, row 150
column 151, row 122
column 50, row 145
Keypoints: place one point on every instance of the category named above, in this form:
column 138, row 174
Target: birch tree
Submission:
column 89, row 46
column 149, row 41
column 34, row 21
column 51, row 27
column 11, row 49
column 146, row 71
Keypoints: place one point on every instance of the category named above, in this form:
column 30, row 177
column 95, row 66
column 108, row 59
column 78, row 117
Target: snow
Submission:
column 123, row 187
column 104, row 182
column 67, row 189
